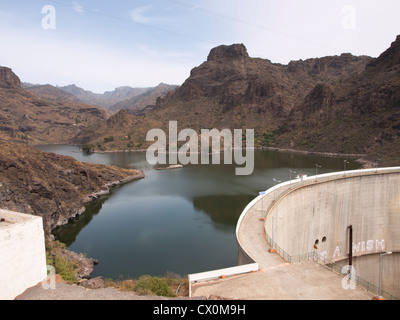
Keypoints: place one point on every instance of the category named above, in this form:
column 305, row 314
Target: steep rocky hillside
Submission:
column 233, row 90
column 339, row 104
column 47, row 117
column 121, row 131
column 358, row 115
column 9, row 79
column 52, row 186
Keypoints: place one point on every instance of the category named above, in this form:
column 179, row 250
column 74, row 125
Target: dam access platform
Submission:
column 316, row 238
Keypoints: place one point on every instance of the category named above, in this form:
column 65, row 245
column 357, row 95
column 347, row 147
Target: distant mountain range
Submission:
column 339, row 104
column 107, row 99
column 135, row 100
column 140, row 104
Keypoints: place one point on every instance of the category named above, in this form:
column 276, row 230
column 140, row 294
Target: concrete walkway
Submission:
column 277, row 279
column 251, row 233
column 306, row 280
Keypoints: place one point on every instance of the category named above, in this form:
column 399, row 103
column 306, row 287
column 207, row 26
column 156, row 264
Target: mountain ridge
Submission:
column 137, row 104
column 361, row 115
column 110, row 99
column 45, row 117
column 312, row 105
column 338, row 104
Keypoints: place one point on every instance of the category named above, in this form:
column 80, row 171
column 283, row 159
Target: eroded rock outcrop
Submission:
column 8, row 79
column 52, row 186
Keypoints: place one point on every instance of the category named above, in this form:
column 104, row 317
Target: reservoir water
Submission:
column 182, row 221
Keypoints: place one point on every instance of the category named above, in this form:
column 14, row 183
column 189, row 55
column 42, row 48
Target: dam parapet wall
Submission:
column 330, row 215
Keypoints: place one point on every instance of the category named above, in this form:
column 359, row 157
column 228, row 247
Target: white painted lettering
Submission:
column 370, row 245
column 336, row 253
column 356, row 248
column 380, row 245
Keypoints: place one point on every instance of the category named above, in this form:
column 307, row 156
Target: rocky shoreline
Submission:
column 55, row 188
column 85, row 265
column 360, row 158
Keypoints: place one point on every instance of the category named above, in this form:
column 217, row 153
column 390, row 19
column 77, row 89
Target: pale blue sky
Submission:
column 100, row 45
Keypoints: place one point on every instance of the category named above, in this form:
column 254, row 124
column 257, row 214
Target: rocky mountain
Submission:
column 52, row 186
column 233, row 90
column 8, row 79
column 43, row 114
column 107, row 99
column 140, row 104
column 360, row 115
column 338, row 104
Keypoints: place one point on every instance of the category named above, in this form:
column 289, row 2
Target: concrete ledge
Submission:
column 221, row 273
column 22, row 253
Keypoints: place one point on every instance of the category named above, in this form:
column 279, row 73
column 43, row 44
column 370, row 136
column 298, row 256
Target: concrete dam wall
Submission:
column 356, row 212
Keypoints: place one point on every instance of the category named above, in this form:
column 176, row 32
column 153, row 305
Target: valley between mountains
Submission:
column 342, row 104
column 338, row 104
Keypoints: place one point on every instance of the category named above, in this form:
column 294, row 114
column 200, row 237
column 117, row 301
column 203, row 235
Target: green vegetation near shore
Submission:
column 65, row 267
column 171, row 285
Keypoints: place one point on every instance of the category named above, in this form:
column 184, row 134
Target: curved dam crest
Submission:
column 313, row 215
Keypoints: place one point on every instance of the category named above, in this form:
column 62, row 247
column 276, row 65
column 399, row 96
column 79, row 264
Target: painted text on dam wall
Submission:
column 359, row 248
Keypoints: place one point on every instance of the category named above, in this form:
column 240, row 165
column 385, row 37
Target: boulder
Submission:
column 95, row 283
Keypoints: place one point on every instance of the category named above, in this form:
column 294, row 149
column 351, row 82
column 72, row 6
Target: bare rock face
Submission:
column 8, row 79
column 319, row 98
column 359, row 115
column 234, row 90
column 388, row 60
column 95, row 283
column 118, row 118
column 235, row 51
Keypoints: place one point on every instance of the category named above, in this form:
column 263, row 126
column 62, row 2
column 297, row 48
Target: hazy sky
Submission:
column 100, row 45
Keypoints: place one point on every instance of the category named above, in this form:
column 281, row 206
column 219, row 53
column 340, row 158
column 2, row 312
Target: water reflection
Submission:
column 69, row 232
column 174, row 220
column 223, row 210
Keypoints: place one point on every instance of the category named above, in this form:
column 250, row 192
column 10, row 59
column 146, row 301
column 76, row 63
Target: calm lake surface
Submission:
column 182, row 221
